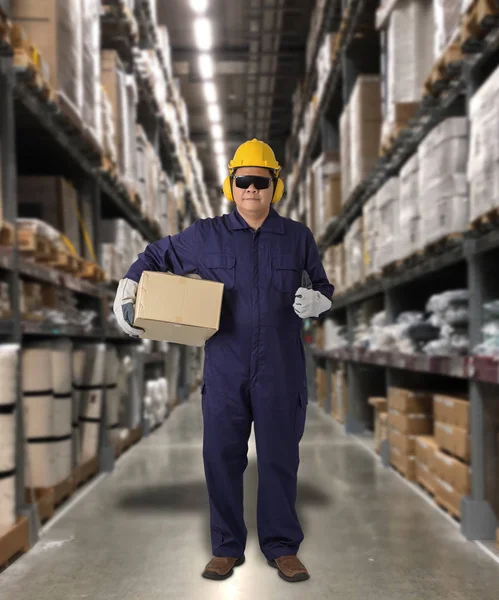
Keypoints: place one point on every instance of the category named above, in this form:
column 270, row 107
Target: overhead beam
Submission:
column 237, row 54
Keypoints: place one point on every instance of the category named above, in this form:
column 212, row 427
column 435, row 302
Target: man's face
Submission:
column 251, row 200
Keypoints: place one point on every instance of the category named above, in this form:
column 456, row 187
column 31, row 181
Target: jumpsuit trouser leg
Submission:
column 226, row 430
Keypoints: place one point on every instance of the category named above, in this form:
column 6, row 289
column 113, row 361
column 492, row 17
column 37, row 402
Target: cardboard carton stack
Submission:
column 483, row 162
column 334, row 265
column 452, row 460
column 370, row 235
column 426, row 446
column 410, row 415
column 325, row 190
column 443, row 194
column 409, row 234
column 380, row 406
column 387, row 223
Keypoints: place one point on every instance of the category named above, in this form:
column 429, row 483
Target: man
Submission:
column 255, row 365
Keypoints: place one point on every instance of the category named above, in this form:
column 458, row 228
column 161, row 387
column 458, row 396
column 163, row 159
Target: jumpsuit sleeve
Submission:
column 177, row 254
column 315, row 269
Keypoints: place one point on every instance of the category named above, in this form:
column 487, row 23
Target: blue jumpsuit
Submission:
column 254, row 367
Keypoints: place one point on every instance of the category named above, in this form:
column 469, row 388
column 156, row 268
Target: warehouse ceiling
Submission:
column 259, row 55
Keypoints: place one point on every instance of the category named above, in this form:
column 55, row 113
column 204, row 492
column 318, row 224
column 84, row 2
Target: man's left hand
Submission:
column 310, row 303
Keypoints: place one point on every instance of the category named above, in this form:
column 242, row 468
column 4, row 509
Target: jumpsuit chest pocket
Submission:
column 286, row 273
column 221, row 267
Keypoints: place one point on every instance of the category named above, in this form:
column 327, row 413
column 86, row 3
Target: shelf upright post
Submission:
column 352, row 423
column 478, row 521
column 9, row 196
column 327, row 403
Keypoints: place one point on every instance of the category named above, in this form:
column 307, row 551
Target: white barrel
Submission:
column 79, row 356
column 9, row 361
column 38, row 416
column 64, row 459
column 7, row 442
column 62, row 367
column 37, row 369
column 7, row 501
column 89, row 365
column 89, row 441
column 41, row 467
column 63, row 412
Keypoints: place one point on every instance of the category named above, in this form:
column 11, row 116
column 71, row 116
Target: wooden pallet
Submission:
column 447, row 67
column 86, row 471
column 401, row 471
column 444, row 505
column 404, row 112
column 44, row 500
column 34, row 246
column 487, row 221
column 443, row 243
column 7, row 234
column 477, row 22
column 14, row 541
column 91, row 272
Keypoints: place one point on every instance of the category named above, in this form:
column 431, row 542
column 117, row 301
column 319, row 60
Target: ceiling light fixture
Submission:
column 214, row 113
column 203, row 33
column 217, row 132
column 199, row 6
column 210, row 92
column 206, row 66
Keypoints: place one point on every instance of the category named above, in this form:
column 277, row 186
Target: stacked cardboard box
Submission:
column 370, row 235
column 426, row 446
column 334, row 265
column 325, row 190
column 410, row 415
column 409, row 59
column 121, row 244
column 91, row 39
column 443, row 194
column 365, row 128
column 409, row 233
column 387, row 223
column 380, row 406
column 108, row 132
column 483, row 162
column 453, row 473
column 354, row 254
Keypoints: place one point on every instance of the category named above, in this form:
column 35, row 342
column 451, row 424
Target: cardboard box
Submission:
column 405, row 464
column 411, row 423
column 452, row 411
column 332, row 198
column 378, row 403
column 405, row 443
column 190, row 317
column 448, row 497
column 426, row 446
column 425, row 477
column 410, row 402
column 453, row 439
column 454, row 472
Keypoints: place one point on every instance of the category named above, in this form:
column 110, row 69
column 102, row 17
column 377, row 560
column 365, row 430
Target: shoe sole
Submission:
column 217, row 577
column 295, row 579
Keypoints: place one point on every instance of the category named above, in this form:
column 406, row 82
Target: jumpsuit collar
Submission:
column 274, row 223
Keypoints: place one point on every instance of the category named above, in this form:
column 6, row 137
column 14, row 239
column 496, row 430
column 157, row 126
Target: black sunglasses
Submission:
column 261, row 183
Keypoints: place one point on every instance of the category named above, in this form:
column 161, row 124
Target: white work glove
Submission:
column 124, row 307
column 310, row 303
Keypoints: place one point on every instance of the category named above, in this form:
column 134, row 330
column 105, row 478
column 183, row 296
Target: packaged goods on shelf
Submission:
column 164, row 48
column 490, row 330
column 447, row 16
column 426, row 446
column 108, row 129
column 447, row 496
column 410, row 241
column 127, row 241
column 412, row 423
column 334, row 335
column 52, row 200
column 370, row 236
column 55, row 29
column 325, row 59
column 380, row 407
column 405, row 463
column 326, row 193
column 365, row 127
column 7, row 499
column 442, row 180
column 410, row 401
column 450, row 315
column 114, row 80
column 91, row 34
column 5, row 303
column 387, row 223
column 452, row 410
column 310, row 206
column 483, row 162
column 345, row 154
column 410, row 58
column 453, row 472
column 454, row 440
column 354, row 254
column 334, row 265
column 156, row 402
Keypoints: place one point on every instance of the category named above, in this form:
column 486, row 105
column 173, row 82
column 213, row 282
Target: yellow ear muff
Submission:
column 227, row 189
column 279, row 191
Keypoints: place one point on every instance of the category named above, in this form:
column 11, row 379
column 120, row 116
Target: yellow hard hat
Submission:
column 254, row 153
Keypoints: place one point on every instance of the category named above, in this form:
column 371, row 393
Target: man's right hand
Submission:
column 124, row 307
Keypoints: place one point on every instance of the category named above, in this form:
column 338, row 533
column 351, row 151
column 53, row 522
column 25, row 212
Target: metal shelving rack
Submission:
column 34, row 138
column 463, row 261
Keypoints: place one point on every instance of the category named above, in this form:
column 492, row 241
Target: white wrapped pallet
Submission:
column 62, row 385
column 9, row 362
column 365, row 127
column 370, row 233
column 92, row 114
column 7, row 499
column 483, row 162
column 447, row 16
column 354, row 254
column 37, row 388
column 443, row 192
column 387, row 222
column 7, row 441
column 410, row 236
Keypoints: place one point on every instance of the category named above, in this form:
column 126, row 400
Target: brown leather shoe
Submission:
column 221, row 567
column 290, row 568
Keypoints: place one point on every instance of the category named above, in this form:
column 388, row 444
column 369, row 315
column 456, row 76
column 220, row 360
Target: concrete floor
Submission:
column 142, row 533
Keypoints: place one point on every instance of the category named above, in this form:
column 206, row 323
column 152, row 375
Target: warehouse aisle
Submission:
column 143, row 532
